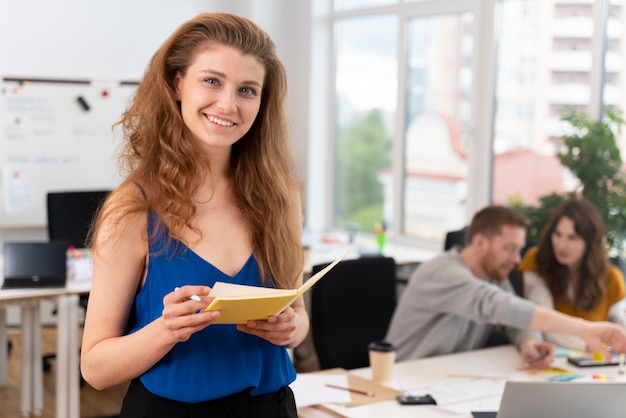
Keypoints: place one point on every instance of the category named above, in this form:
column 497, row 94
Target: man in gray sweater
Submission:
column 454, row 301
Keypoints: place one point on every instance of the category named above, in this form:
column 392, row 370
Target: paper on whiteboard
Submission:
column 18, row 189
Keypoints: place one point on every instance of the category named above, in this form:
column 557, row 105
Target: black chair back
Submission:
column 70, row 214
column 455, row 238
column 351, row 307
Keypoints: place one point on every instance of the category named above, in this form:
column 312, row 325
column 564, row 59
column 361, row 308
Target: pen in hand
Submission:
column 195, row 298
column 536, row 359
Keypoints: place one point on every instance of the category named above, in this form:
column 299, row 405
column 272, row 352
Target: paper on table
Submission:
column 465, row 395
column 381, row 392
column 310, row 389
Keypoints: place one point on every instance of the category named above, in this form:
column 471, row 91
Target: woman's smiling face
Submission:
column 220, row 95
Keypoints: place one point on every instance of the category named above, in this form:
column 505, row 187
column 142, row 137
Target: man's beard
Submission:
column 497, row 272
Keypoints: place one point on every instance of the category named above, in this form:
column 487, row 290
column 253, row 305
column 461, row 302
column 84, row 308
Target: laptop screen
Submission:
column 563, row 400
column 34, row 264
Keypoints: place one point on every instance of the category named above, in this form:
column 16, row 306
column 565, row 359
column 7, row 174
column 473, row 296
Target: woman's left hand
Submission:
column 279, row 329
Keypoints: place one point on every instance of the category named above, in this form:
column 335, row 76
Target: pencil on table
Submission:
column 360, row 392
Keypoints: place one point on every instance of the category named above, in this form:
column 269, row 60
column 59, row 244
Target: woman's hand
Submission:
column 279, row 329
column 183, row 311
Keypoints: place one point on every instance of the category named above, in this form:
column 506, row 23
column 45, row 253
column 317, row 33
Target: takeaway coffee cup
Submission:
column 382, row 356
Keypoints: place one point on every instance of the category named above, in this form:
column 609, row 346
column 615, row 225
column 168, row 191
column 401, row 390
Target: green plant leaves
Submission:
column 590, row 152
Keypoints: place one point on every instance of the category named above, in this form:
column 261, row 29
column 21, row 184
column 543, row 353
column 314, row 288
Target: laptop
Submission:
column 34, row 264
column 563, row 400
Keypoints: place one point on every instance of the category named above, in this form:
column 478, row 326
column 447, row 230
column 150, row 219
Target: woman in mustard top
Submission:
column 569, row 270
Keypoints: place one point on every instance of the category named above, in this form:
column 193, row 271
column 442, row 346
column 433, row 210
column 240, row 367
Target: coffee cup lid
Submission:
column 381, row 346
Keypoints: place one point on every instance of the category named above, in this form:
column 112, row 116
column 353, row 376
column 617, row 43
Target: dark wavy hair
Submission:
column 159, row 154
column 595, row 264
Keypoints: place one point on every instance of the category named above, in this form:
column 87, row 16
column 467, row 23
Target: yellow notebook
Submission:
column 240, row 303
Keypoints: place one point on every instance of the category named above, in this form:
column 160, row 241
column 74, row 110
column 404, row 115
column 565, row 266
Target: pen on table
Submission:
column 621, row 363
column 192, row 297
column 360, row 392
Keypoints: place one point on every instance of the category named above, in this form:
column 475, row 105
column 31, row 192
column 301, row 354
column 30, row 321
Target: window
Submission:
column 438, row 87
column 614, row 93
column 525, row 165
column 343, row 5
column 365, row 103
column 428, row 122
column 403, row 117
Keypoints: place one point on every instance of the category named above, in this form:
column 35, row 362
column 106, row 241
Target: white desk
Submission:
column 68, row 361
column 495, row 362
column 68, row 373
column 320, row 253
column 31, row 368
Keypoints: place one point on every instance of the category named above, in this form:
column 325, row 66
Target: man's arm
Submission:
column 536, row 290
column 597, row 335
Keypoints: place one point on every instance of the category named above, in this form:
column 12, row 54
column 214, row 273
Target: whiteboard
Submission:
column 56, row 135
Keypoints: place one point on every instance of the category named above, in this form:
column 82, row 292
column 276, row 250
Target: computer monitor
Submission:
column 70, row 215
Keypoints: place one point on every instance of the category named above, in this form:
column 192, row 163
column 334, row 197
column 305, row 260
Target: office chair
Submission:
column 455, row 238
column 70, row 214
column 351, row 307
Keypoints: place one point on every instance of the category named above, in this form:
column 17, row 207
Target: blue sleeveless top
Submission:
column 218, row 360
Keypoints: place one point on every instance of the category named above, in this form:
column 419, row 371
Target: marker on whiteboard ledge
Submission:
column 83, row 103
column 195, row 298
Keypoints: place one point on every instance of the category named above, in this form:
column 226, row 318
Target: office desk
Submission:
column 68, row 344
column 67, row 374
column 497, row 362
column 320, row 253
column 31, row 368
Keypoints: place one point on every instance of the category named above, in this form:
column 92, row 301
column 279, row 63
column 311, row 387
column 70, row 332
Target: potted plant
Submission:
column 590, row 152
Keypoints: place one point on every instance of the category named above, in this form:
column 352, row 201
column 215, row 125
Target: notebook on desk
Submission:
column 563, row 400
column 34, row 264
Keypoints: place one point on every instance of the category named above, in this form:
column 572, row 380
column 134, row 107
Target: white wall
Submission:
column 85, row 39
column 114, row 39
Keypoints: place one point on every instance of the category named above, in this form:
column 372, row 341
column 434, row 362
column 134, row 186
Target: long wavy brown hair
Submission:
column 159, row 155
column 595, row 264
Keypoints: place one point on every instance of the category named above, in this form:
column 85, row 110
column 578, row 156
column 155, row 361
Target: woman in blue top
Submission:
column 210, row 195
